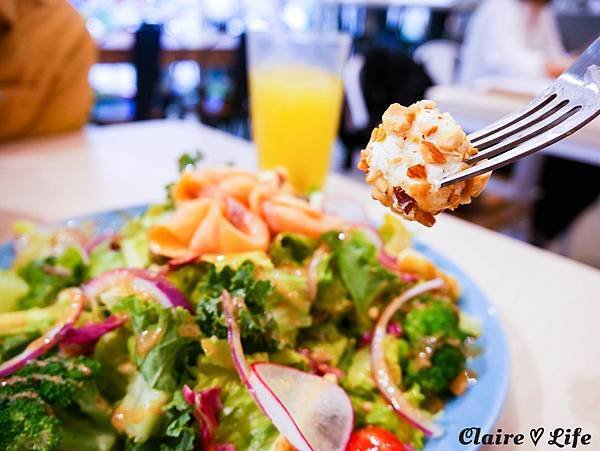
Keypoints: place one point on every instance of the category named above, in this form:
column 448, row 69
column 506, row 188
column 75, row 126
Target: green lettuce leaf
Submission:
column 163, row 342
column 354, row 262
column 104, row 258
column 379, row 413
column 47, row 276
column 12, row 288
column 291, row 248
column 333, row 300
column 288, row 303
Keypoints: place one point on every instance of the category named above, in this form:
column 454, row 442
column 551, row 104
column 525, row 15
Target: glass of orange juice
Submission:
column 295, row 100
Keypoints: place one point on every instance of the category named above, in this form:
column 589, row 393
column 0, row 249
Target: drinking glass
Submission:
column 295, row 100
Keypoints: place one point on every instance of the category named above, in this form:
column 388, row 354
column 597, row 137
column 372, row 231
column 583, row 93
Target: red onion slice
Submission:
column 388, row 389
column 82, row 340
column 311, row 412
column 44, row 343
column 141, row 281
column 207, row 407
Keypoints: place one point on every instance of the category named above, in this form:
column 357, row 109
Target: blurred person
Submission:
column 513, row 38
column 45, row 55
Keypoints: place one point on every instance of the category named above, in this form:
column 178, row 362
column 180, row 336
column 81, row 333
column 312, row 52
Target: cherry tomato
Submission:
column 373, row 438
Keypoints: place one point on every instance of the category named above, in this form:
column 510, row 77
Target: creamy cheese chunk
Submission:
column 409, row 154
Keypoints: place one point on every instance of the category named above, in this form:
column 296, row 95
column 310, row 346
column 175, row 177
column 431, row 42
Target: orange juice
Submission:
column 295, row 115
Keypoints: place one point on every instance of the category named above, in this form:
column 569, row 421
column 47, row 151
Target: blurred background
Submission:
column 187, row 60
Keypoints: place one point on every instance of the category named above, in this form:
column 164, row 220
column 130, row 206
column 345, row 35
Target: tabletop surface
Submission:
column 549, row 305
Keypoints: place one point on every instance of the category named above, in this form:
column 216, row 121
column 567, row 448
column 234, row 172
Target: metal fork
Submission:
column 569, row 103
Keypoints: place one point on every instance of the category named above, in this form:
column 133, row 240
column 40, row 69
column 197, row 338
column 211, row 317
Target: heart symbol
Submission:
column 536, row 435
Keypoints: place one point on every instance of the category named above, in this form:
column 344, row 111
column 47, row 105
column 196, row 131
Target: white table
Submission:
column 549, row 305
column 474, row 109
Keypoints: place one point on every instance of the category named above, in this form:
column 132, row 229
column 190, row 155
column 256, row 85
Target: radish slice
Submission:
column 143, row 282
column 44, row 343
column 346, row 207
column 311, row 412
column 388, row 389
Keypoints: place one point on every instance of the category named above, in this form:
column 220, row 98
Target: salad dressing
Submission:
column 145, row 341
column 122, row 417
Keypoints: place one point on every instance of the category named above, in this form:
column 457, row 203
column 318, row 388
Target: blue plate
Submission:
column 482, row 403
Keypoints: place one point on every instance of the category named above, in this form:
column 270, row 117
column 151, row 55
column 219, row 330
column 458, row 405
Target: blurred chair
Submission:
column 439, row 57
column 223, row 90
column 508, row 201
column 146, row 59
column 580, row 240
column 383, row 76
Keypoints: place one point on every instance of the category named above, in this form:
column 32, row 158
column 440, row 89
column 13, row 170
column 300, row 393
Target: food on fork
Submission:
column 409, row 154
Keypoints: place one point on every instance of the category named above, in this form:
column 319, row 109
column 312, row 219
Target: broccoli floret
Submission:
column 432, row 318
column 27, row 423
column 446, row 364
column 256, row 323
column 55, row 380
column 30, row 397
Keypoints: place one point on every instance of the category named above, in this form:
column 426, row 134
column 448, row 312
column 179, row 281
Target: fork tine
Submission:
column 511, row 119
column 548, row 110
column 566, row 128
column 513, row 141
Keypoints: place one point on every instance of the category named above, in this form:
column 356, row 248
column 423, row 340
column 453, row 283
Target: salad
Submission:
column 234, row 316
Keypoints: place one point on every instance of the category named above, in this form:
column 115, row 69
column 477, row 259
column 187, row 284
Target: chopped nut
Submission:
column 362, row 164
column 380, row 134
column 381, row 184
column 372, row 176
column 425, row 218
column 432, row 130
column 431, row 154
column 282, row 444
column 418, row 171
column 460, row 384
column 397, row 118
column 374, row 134
column 373, row 312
